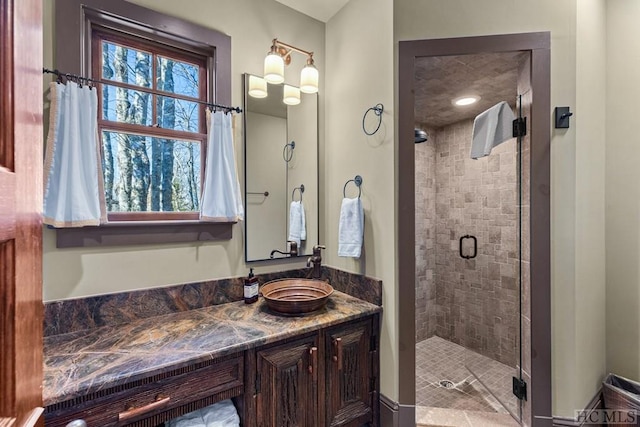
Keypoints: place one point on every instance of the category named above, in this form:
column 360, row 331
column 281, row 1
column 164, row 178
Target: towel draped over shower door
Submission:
column 73, row 178
column 221, row 198
column 491, row 128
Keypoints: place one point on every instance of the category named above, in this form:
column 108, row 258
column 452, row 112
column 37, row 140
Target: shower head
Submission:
column 420, row 136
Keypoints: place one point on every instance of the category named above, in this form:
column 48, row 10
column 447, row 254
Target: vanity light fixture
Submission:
column 309, row 77
column 465, row 100
column 291, row 95
column 279, row 56
column 274, row 66
column 257, row 87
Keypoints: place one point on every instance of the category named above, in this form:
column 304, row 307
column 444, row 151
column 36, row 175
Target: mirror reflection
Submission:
column 281, row 175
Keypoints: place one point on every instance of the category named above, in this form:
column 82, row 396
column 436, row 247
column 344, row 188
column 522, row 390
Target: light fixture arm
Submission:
column 285, row 49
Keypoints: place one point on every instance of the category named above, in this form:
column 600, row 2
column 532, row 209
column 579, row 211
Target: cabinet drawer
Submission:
column 151, row 401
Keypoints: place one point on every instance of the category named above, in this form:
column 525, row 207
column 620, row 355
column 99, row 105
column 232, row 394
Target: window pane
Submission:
column 178, row 114
column 146, row 174
column 126, row 105
column 177, row 77
column 126, row 64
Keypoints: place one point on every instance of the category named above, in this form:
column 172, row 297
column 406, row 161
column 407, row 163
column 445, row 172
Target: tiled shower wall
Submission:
column 476, row 300
column 425, row 184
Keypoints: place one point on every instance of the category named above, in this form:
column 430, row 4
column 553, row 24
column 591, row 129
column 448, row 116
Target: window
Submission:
column 152, row 127
column 157, row 69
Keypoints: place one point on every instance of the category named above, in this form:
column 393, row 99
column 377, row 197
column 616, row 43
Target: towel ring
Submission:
column 287, row 151
column 357, row 181
column 377, row 109
column 293, row 193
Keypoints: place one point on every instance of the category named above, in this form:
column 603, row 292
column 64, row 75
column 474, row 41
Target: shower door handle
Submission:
column 475, row 246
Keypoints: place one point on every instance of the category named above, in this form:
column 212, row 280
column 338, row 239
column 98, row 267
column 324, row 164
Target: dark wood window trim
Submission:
column 74, row 22
column 141, row 233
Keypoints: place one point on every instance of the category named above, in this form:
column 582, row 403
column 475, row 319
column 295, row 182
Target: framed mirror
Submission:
column 281, row 167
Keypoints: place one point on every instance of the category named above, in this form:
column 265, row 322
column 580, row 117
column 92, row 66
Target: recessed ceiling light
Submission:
column 466, row 100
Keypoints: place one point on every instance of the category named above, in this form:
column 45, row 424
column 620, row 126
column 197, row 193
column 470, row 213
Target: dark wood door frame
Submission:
column 21, row 309
column 538, row 44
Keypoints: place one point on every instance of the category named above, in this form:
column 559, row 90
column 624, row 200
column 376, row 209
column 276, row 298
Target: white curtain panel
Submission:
column 221, row 198
column 72, row 174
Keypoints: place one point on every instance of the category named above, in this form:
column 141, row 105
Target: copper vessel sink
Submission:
column 296, row 296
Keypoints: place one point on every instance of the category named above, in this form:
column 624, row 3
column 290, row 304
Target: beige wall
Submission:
column 589, row 122
column 425, row 20
column 623, row 188
column 359, row 68
column 252, row 24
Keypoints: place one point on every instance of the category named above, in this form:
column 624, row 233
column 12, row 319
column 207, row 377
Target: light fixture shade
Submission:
column 309, row 79
column 274, row 68
column 291, row 95
column 257, row 87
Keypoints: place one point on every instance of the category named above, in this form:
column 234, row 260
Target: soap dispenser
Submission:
column 251, row 286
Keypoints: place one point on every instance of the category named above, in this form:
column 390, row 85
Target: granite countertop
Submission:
column 83, row 362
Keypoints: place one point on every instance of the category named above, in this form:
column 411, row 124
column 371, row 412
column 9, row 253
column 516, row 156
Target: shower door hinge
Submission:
column 519, row 388
column 519, row 127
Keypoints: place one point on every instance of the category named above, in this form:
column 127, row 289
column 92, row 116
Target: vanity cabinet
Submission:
column 151, row 401
column 310, row 371
column 351, row 381
column 287, row 383
column 327, row 379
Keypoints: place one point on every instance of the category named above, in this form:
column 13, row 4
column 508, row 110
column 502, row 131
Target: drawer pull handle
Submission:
column 338, row 356
column 161, row 402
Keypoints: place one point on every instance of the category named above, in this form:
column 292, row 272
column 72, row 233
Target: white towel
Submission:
column 297, row 225
column 351, row 228
column 221, row 414
column 221, row 199
column 491, row 128
column 192, row 419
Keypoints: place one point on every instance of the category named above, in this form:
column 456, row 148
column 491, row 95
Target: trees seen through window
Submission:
column 152, row 127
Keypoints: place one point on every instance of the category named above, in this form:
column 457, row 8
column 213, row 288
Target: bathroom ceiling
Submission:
column 322, row 10
column 441, row 79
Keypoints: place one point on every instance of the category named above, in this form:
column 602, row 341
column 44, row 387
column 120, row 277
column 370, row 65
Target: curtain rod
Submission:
column 80, row 79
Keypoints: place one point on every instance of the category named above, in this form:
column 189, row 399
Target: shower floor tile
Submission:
column 438, row 359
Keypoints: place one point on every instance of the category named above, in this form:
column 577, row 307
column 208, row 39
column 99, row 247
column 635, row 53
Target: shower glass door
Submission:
column 491, row 261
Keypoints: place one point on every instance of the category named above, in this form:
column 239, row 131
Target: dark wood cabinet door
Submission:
column 287, row 377
column 350, row 379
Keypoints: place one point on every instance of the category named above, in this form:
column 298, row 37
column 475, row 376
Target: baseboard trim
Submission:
column 388, row 412
column 393, row 414
column 595, row 403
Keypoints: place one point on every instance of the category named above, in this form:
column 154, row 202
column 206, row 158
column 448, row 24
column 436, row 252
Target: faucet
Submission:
column 316, row 260
column 293, row 250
